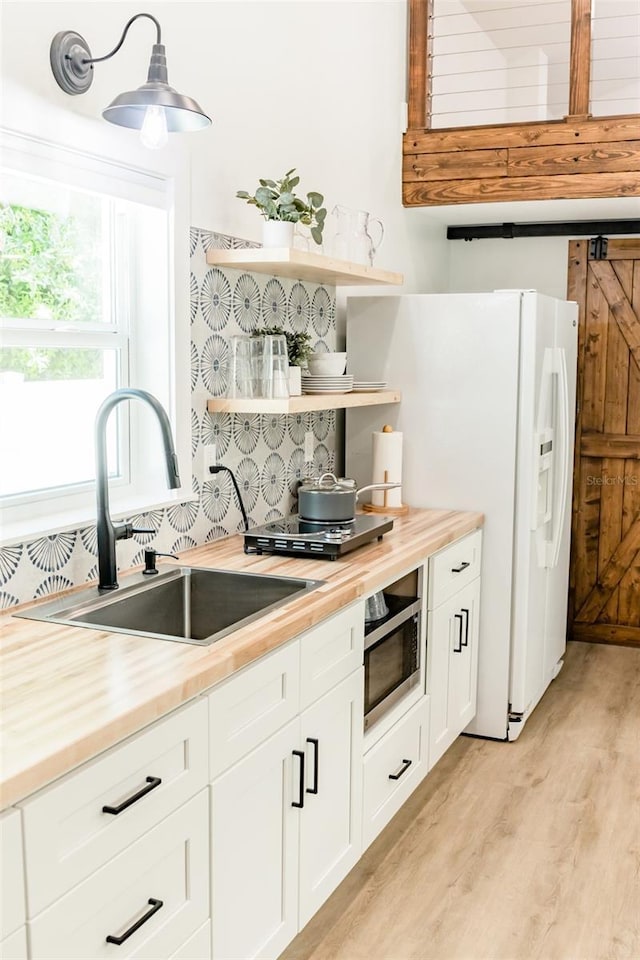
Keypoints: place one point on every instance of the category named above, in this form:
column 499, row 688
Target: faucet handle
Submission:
column 126, row 530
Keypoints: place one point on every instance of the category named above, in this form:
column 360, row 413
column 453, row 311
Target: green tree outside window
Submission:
column 50, row 270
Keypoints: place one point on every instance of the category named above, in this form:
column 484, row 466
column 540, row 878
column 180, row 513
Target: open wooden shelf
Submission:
column 307, row 402
column 300, row 265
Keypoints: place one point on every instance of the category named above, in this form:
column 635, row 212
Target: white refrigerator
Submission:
column 488, row 387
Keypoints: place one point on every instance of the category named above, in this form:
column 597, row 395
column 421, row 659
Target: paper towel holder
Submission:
column 400, row 511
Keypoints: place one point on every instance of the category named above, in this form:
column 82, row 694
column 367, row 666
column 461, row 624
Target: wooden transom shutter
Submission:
column 605, row 565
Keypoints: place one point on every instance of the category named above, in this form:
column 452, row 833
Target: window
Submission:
column 85, row 302
column 499, row 62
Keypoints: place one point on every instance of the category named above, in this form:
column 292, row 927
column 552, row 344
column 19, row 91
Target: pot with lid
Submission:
column 329, row 499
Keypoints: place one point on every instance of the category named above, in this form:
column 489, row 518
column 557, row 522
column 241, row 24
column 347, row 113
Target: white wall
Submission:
column 317, row 85
column 527, row 263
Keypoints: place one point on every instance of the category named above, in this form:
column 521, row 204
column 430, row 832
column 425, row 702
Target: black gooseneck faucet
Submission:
column 107, row 533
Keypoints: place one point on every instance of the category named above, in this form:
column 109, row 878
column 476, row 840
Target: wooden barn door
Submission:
column 604, row 600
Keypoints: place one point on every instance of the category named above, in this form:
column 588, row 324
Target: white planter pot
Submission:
column 277, row 233
column 295, row 381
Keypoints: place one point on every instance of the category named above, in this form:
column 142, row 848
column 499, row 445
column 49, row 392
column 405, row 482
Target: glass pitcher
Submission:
column 352, row 240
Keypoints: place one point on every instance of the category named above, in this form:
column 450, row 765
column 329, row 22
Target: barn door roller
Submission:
column 598, row 248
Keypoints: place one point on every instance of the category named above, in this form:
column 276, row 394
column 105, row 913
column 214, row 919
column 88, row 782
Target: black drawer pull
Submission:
column 465, row 642
column 458, row 616
column 463, row 566
column 152, row 783
column 155, row 906
column 403, row 769
column 300, row 802
column 316, row 757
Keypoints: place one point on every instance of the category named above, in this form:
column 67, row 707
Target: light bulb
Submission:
column 153, row 134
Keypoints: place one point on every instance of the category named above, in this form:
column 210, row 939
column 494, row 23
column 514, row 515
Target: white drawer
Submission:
column 168, row 866
column 393, row 768
column 251, row 705
column 12, row 912
column 14, row 947
column 197, row 947
column 330, row 652
column 68, row 835
column 454, row 567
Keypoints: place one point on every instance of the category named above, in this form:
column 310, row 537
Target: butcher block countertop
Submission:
column 68, row 693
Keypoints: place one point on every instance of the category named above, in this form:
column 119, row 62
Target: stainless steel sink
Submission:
column 189, row 604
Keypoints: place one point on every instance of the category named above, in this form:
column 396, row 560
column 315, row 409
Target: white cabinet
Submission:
column 330, row 652
column 119, row 848
column 12, row 910
column 254, row 849
column 464, row 623
column 14, row 947
column 143, row 903
column 393, row 768
column 251, row 705
column 74, row 826
column 330, row 821
column 13, row 936
column 285, row 826
column 286, row 822
column 454, row 567
column 452, row 632
column 197, row 947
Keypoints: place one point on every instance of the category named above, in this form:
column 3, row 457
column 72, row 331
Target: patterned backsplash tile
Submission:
column 264, row 452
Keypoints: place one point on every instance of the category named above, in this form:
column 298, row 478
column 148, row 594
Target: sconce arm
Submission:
column 108, row 56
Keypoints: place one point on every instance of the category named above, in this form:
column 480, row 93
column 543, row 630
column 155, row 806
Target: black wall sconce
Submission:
column 155, row 108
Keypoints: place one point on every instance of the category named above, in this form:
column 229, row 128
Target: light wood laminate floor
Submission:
column 511, row 851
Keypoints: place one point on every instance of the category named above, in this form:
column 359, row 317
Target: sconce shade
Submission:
column 72, row 66
column 182, row 113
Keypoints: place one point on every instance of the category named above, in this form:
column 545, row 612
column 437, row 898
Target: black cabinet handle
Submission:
column 316, row 756
column 152, row 783
column 465, row 642
column 155, row 906
column 403, row 769
column 300, row 802
column 458, row 616
column 463, row 566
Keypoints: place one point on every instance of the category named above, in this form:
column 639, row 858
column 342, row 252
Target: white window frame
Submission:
column 158, row 355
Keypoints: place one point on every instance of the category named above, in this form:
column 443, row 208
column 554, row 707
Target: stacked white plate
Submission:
column 368, row 386
column 343, row 384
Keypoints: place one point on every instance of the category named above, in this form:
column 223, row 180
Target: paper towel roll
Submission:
column 387, row 467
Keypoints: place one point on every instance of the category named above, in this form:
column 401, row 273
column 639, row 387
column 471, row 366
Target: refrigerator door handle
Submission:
column 562, row 459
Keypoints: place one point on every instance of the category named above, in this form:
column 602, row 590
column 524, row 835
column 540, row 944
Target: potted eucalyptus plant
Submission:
column 299, row 349
column 282, row 209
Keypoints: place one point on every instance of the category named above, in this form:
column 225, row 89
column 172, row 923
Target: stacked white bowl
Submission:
column 326, row 374
column 327, row 364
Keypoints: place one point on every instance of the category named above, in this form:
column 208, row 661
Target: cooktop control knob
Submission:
column 336, row 534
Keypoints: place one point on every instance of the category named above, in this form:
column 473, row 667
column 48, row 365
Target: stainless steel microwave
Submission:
column 391, row 656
